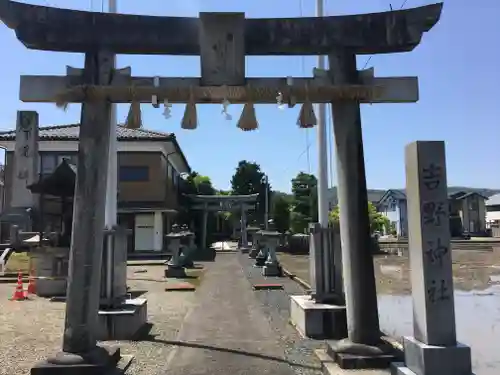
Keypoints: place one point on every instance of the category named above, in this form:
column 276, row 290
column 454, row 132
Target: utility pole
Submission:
column 110, row 215
column 322, row 146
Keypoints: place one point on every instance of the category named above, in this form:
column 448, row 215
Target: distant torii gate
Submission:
column 242, row 203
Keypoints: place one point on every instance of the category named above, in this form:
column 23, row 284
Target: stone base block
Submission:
column 253, row 253
column 353, row 356
column 123, row 322
column 51, row 287
column 102, row 362
column 175, row 272
column 244, row 250
column 316, row 320
column 423, row 359
column 271, row 269
column 329, row 367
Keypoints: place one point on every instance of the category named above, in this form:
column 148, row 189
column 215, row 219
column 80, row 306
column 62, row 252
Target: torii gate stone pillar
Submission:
column 244, row 236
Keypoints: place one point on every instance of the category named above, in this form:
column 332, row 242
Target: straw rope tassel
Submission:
column 190, row 118
column 248, row 120
column 307, row 117
column 134, row 117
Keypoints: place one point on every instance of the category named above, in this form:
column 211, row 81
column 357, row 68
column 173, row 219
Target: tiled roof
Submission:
column 71, row 132
column 494, row 200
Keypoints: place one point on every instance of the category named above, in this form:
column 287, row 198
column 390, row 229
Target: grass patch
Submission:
column 18, row 261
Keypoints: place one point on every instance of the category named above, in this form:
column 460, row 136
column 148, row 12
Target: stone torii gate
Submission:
column 233, row 203
column 222, row 40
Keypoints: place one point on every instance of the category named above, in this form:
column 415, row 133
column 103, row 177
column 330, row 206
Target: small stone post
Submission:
column 433, row 349
column 174, row 267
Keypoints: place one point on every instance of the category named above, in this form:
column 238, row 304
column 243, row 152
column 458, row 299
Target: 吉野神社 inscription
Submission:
column 434, row 214
column 435, row 252
column 432, row 176
column 438, row 291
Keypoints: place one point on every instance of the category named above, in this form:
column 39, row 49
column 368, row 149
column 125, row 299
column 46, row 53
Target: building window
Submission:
column 473, row 204
column 134, row 174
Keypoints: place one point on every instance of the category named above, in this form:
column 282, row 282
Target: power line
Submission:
column 369, row 58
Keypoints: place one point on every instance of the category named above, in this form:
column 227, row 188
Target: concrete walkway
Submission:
column 226, row 332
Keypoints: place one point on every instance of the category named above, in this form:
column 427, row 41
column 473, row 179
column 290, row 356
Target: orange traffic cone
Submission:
column 19, row 293
column 31, row 282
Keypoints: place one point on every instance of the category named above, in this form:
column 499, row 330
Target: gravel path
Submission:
column 30, row 331
column 227, row 331
column 234, row 337
column 276, row 306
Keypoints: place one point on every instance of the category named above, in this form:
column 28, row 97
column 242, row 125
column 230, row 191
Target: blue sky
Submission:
column 457, row 65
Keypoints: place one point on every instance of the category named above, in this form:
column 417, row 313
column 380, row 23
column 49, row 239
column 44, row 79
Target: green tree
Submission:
column 249, row 179
column 378, row 222
column 195, row 184
column 281, row 212
column 305, row 202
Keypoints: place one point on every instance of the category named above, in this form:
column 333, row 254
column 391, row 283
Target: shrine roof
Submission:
column 72, row 132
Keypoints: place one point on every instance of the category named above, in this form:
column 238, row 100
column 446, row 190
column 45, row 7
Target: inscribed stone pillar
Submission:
column 25, row 171
column 88, row 214
column 429, row 244
column 357, row 261
column 433, row 349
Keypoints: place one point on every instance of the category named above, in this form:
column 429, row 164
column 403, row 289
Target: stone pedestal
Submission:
column 433, row 349
column 122, row 322
column 173, row 271
column 119, row 317
column 322, row 315
column 423, row 359
column 100, row 361
column 50, row 265
column 318, row 320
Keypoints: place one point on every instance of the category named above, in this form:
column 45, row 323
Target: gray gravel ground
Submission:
column 31, row 331
column 276, row 307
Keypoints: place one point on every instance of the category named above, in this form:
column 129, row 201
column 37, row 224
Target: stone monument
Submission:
column 23, row 202
column 433, row 349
